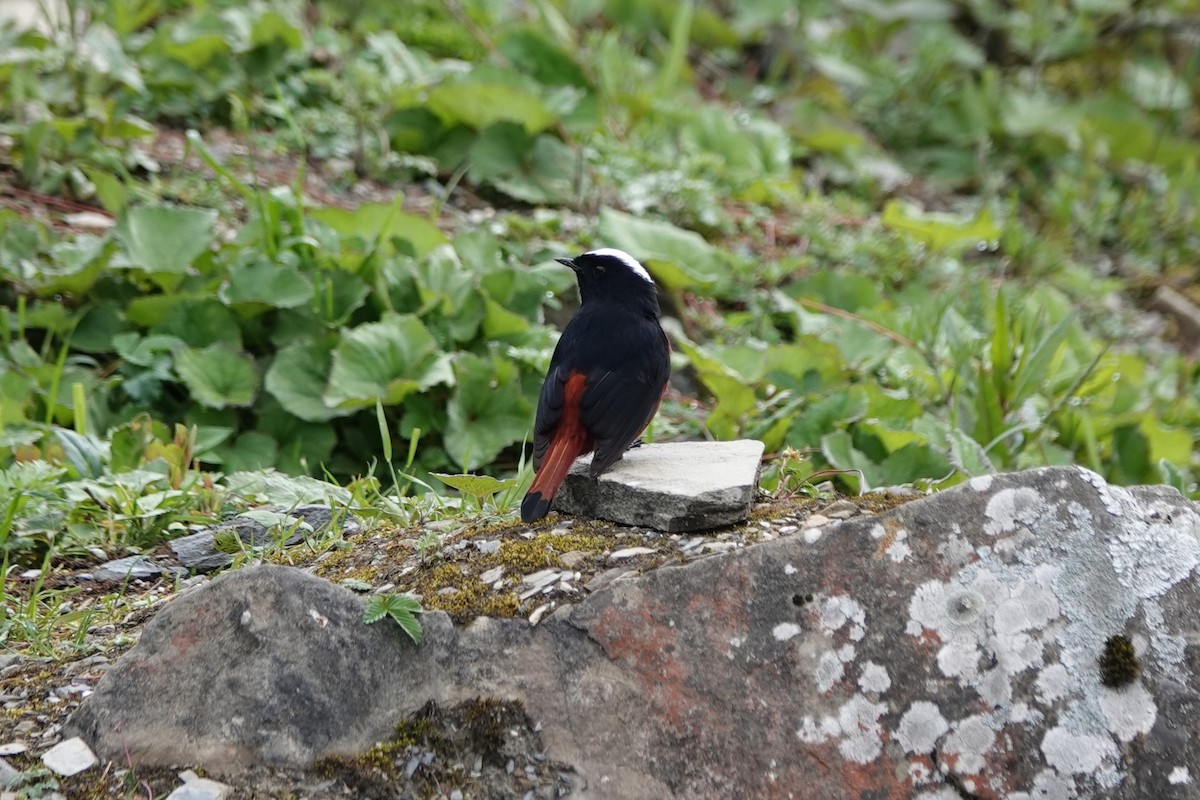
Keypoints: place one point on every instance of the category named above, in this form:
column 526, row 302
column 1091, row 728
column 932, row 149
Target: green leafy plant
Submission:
column 401, row 609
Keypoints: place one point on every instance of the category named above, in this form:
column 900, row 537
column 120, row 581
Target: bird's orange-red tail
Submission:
column 566, row 447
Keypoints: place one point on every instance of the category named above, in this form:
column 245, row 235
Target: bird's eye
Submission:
column 600, row 268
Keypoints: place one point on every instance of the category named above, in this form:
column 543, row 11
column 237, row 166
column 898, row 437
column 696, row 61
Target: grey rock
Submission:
column 201, row 789
column 199, row 552
column 10, row 776
column 951, row 647
column 678, row 486
column 69, row 757
column 263, row 665
column 130, row 568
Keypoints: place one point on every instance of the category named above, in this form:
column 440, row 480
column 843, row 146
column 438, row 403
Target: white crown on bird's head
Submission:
column 626, row 259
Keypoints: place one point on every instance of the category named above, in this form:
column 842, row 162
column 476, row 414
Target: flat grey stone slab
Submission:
column 129, row 568
column 676, row 486
column 201, row 789
column 69, row 757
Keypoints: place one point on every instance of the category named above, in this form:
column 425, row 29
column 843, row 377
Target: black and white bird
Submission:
column 606, row 378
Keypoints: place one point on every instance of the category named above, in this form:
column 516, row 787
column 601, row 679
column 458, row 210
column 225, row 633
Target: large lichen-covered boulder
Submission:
column 1022, row 636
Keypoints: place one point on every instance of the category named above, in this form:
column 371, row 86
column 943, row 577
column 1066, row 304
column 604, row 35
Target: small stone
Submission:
column 456, row 795
column 571, row 558
column 9, row 775
column 842, row 509
column 538, row 613
column 815, row 521
column 541, row 578
column 69, row 757
column 719, row 547
column 201, row 789
column 13, row 748
column 629, row 552
column 488, row 547
column 492, row 575
column 131, row 568
column 784, row 530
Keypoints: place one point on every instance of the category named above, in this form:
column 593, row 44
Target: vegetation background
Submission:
column 290, row 251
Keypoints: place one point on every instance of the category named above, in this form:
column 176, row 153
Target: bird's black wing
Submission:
column 549, row 410
column 618, row 404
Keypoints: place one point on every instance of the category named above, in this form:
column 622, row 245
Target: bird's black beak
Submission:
column 568, row 262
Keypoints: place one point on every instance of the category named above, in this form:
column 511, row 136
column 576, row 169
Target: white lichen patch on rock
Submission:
column 830, row 670
column 1129, row 711
column 874, row 678
column 980, row 483
column 1045, row 595
column 1072, row 753
column 861, row 730
column 856, row 728
column 839, row 610
column 921, row 727
column 1010, row 508
column 971, row 739
column 786, row 630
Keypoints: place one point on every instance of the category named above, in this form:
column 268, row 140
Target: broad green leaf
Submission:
column 838, row 449
column 487, row 411
column 165, row 238
column 218, row 376
column 338, row 295
column 477, row 486
column 275, row 285
column 913, row 462
column 297, row 378
column 380, row 220
column 499, row 322
column 478, row 105
column 196, row 321
column 97, row 328
column 529, row 50
column 268, row 486
column 968, row 455
column 105, row 55
column 1167, row 443
column 387, row 360
column 659, row 244
column 939, row 231
column 85, row 454
column 253, row 450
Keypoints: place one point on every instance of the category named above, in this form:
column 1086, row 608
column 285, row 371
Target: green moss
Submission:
column 1119, row 665
column 477, row 727
column 542, row 551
